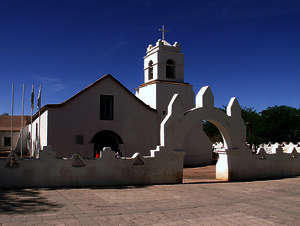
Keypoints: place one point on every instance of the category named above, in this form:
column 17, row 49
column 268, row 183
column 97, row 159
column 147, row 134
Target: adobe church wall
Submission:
column 137, row 125
column 161, row 168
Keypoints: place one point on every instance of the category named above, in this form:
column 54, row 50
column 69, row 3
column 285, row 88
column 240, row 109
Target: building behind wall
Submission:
column 5, row 132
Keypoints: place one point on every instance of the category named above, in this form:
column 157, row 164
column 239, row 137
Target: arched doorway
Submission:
column 106, row 138
column 230, row 125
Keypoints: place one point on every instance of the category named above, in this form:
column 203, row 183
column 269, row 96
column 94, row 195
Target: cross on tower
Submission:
column 163, row 31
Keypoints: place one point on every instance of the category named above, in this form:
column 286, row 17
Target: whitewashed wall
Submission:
column 153, row 56
column 165, row 92
column 43, row 129
column 148, row 95
column 180, row 124
column 243, row 164
column 160, row 168
column 159, row 54
column 159, row 94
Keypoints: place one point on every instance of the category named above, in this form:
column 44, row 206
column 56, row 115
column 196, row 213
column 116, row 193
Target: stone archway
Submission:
column 106, row 138
column 178, row 122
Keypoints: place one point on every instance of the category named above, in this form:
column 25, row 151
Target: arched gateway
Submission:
column 178, row 122
column 106, row 138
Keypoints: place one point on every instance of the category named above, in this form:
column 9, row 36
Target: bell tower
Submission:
column 164, row 76
column 164, row 62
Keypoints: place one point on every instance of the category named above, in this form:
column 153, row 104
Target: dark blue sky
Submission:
column 248, row 48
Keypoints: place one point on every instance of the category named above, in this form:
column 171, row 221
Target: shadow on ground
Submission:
column 24, row 201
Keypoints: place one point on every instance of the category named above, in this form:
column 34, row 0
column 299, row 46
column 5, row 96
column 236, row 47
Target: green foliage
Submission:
column 280, row 123
column 275, row 124
column 253, row 122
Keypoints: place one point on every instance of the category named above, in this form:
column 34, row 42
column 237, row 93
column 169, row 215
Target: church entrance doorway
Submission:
column 106, row 138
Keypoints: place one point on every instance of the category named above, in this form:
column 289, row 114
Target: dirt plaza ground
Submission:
column 200, row 200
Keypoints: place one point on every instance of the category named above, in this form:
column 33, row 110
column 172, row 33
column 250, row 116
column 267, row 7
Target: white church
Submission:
column 107, row 114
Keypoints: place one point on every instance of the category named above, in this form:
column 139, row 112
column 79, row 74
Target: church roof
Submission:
column 107, row 76
column 17, row 119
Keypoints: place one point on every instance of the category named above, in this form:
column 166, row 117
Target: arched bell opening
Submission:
column 170, row 69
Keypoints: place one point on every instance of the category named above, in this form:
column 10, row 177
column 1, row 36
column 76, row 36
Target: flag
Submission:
column 32, row 98
column 39, row 98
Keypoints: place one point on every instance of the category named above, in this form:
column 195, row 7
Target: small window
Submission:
column 7, row 141
column 170, row 69
column 79, row 139
column 106, row 107
column 150, row 70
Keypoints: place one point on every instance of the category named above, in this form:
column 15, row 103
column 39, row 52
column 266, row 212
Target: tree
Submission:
column 280, row 123
column 253, row 124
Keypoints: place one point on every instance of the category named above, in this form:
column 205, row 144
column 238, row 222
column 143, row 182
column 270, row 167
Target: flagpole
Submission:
column 32, row 104
column 39, row 131
column 39, row 148
column 31, row 151
column 39, row 106
column 22, row 121
column 11, row 118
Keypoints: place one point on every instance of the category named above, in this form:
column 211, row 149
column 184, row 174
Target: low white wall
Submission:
column 243, row 164
column 163, row 167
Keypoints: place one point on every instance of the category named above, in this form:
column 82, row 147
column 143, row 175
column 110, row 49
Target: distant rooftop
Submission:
column 17, row 119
